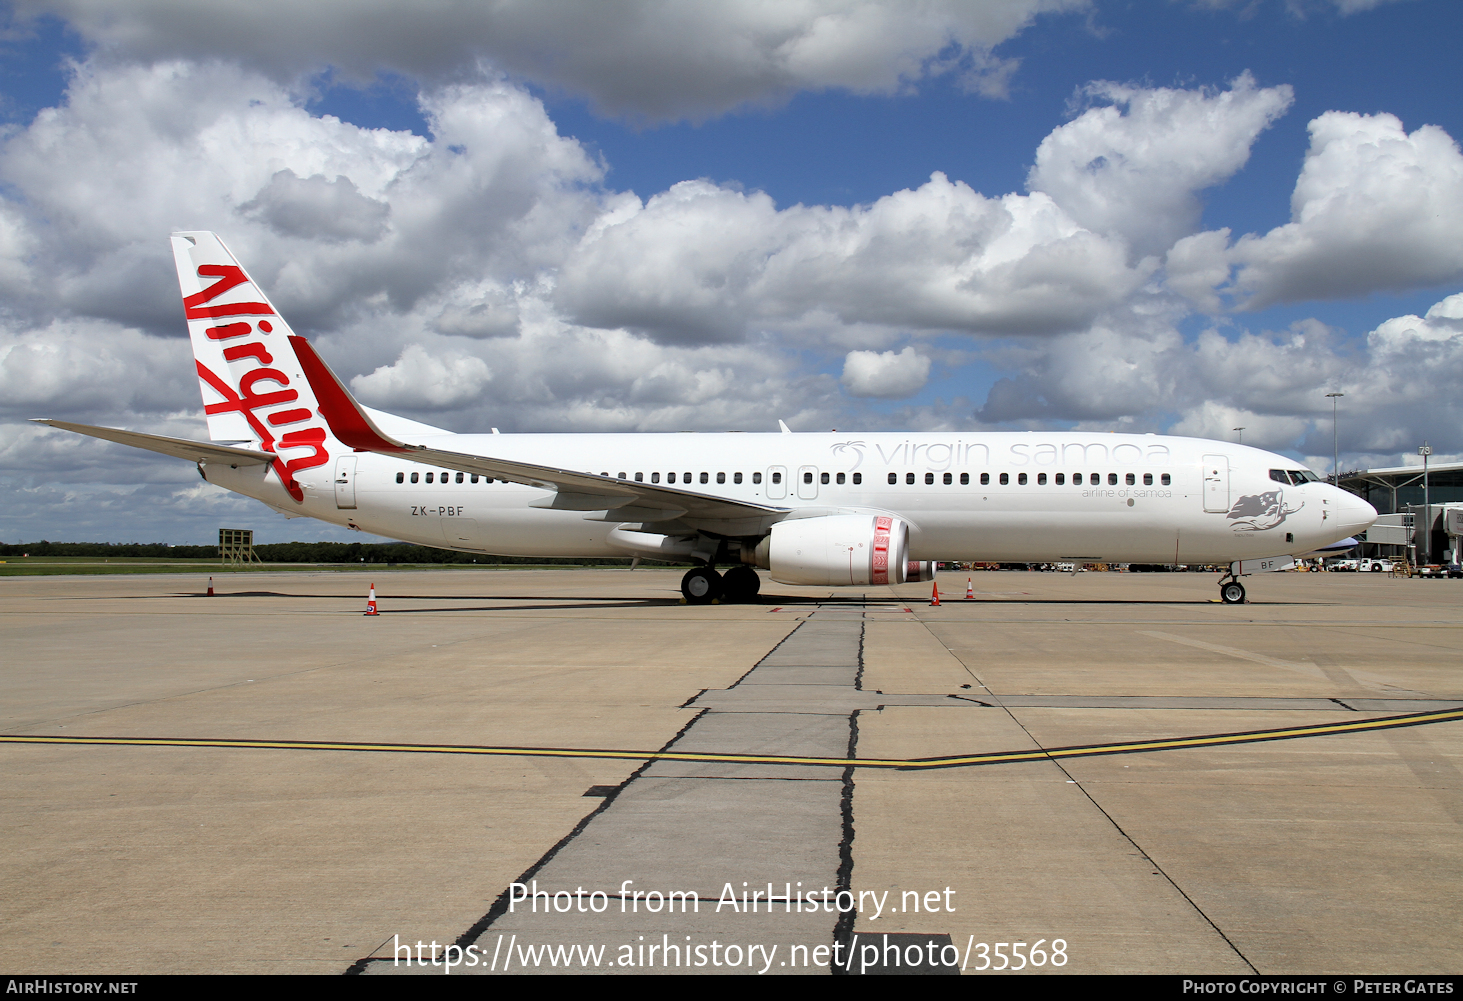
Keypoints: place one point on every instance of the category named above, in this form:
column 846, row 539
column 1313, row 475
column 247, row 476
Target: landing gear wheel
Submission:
column 1232, row 593
column 701, row 586
column 740, row 584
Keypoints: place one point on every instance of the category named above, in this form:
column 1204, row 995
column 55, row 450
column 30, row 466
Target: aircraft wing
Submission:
column 181, row 448
column 623, row 500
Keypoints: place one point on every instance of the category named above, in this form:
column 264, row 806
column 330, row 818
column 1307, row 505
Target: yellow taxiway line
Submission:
column 948, row 761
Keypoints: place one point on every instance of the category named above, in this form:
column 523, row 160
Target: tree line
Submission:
column 296, row 552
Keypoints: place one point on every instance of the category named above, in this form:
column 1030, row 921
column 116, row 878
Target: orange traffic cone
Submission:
column 210, row 587
column 969, row 590
column 371, row 601
column 935, row 594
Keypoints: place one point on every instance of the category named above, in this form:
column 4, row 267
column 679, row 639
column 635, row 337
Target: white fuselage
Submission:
column 1069, row 496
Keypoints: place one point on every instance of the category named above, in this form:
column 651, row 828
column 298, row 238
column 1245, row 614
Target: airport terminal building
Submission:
column 1397, row 492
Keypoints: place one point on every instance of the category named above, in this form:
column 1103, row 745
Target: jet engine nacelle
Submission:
column 838, row 549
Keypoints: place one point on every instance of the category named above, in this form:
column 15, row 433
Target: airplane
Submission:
column 823, row 509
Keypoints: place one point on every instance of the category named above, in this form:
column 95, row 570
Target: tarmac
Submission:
column 1112, row 769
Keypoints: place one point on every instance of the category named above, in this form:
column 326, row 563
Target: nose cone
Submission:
column 1352, row 514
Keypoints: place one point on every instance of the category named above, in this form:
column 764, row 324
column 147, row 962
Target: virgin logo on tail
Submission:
column 261, row 394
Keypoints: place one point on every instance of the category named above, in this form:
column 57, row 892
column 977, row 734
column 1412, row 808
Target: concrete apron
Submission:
column 732, row 834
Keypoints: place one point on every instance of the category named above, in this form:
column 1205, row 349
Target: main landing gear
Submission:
column 703, row 585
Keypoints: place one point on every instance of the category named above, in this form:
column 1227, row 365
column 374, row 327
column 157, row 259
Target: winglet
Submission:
column 785, row 429
column 348, row 422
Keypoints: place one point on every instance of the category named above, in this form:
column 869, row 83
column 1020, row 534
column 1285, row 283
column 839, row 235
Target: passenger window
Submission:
column 1148, row 479
column 756, row 477
column 1041, row 479
column 840, row 478
column 1005, row 479
column 807, row 477
column 1021, row 479
column 965, row 479
column 400, row 477
column 686, row 478
column 621, row 476
column 736, row 477
column 823, row 479
column 858, row 478
column 413, row 477
column 459, row 477
column 1112, row 479
column 720, row 477
column 1061, row 478
column 704, row 478
column 639, row 477
column 670, row 477
column 1131, row 479
column 1076, row 479
column 985, row 479
column 909, row 479
column 1164, row 479
column 929, row 478
column 444, row 476
column 429, row 477
column 654, row 477
column 893, row 478
column 949, row 479
column 473, row 478
column 776, row 477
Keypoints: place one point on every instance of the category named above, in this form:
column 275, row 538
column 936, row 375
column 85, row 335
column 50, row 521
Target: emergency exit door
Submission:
column 1216, row 484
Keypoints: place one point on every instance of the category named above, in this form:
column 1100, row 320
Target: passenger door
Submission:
column 1216, row 484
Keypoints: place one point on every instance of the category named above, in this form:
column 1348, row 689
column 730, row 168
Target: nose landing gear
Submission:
column 1232, row 592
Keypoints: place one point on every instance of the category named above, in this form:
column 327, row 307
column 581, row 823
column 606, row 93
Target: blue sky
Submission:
column 657, row 216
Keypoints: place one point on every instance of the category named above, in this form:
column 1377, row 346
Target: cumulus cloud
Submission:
column 1374, row 209
column 1134, row 167
column 885, row 374
column 92, row 368
column 422, row 381
column 316, row 208
column 653, row 59
column 328, row 215
column 1399, row 382
column 700, row 262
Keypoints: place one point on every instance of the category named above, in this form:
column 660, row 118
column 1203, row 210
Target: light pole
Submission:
column 1241, row 434
column 1427, row 539
column 1335, row 453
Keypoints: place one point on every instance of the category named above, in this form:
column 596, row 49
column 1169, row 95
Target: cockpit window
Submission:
column 1299, row 476
column 1278, row 475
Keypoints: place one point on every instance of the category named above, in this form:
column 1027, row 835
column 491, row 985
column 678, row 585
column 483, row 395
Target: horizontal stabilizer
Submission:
column 179, row 448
